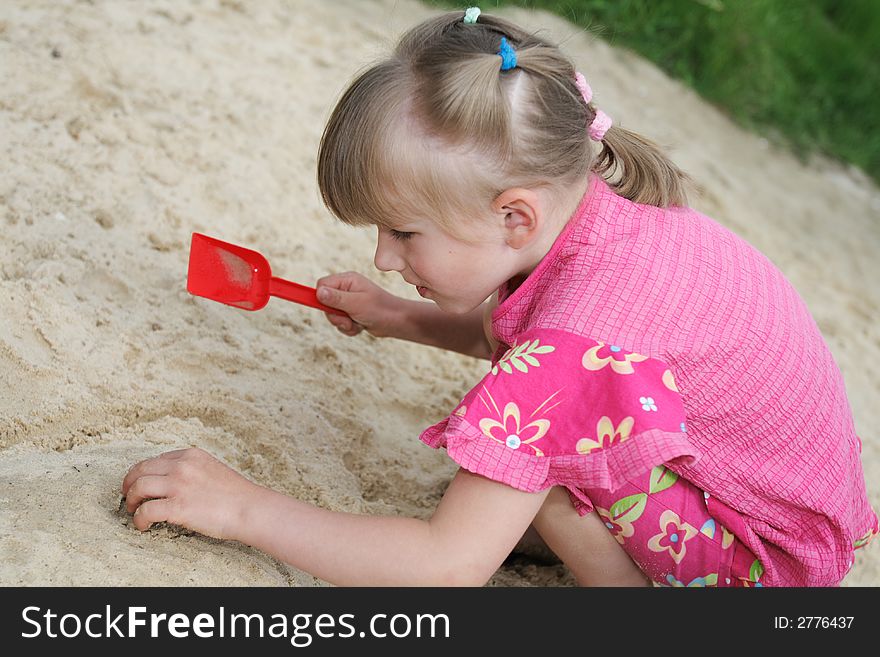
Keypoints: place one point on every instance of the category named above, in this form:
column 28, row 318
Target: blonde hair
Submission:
column 438, row 128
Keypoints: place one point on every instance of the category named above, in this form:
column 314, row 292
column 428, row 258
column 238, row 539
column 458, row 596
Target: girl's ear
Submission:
column 520, row 211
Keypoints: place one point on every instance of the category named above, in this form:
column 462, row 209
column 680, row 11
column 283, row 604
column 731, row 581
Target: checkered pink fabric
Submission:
column 766, row 410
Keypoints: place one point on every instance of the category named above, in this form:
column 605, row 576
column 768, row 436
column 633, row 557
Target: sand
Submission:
column 125, row 127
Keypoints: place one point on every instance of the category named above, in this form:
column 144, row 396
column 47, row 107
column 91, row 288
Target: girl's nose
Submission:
column 387, row 258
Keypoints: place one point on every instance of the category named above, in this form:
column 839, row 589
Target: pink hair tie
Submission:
column 599, row 126
column 601, row 121
column 581, row 83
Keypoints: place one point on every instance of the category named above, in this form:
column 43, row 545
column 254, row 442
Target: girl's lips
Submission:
column 421, row 290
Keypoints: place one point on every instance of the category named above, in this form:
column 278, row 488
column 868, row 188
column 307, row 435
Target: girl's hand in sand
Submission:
column 191, row 488
column 368, row 306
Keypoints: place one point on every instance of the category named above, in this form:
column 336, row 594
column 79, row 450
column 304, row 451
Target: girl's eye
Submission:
column 399, row 235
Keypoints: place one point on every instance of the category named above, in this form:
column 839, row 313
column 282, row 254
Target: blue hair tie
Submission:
column 508, row 55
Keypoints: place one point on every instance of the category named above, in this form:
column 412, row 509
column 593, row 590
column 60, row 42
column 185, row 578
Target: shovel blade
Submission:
column 227, row 273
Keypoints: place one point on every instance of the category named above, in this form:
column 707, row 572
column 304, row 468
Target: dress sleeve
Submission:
column 560, row 409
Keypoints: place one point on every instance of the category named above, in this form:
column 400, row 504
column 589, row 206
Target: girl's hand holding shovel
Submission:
column 367, row 306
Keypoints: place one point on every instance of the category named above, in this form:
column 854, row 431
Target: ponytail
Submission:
column 638, row 170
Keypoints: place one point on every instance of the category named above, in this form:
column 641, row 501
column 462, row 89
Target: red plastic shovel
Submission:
column 240, row 277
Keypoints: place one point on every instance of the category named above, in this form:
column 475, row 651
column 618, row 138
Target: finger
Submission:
column 337, row 321
column 152, row 511
column 154, row 466
column 342, row 322
column 147, row 487
column 340, row 281
column 175, row 454
column 331, row 280
column 333, row 297
column 345, row 324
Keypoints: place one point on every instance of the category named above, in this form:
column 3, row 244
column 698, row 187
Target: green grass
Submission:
column 803, row 71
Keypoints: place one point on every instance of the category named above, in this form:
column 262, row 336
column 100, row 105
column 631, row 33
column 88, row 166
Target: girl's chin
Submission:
column 452, row 306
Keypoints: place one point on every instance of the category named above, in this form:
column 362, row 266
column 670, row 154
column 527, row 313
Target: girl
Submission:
column 660, row 406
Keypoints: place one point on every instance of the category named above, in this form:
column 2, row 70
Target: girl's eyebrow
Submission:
column 401, row 223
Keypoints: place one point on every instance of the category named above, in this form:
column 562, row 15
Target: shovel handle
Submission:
column 297, row 293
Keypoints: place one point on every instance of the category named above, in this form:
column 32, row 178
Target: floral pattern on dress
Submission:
column 648, row 404
column 521, row 356
column 507, row 427
column 700, row 582
column 652, row 499
column 623, row 513
column 726, row 538
column 673, row 541
column 661, row 478
column 606, row 435
column 669, row 380
column 602, row 355
column 620, row 529
column 755, row 574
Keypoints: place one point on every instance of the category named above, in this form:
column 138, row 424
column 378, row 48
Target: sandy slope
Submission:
column 123, row 129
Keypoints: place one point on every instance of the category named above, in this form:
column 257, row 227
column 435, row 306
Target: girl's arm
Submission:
column 473, row 529
column 425, row 323
column 368, row 307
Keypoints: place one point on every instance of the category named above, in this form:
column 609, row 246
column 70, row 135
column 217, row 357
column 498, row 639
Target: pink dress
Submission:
column 654, row 343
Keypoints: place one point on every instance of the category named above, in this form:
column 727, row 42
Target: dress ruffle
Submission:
column 608, row 468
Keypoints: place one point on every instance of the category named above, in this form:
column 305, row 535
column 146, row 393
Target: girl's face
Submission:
column 458, row 276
